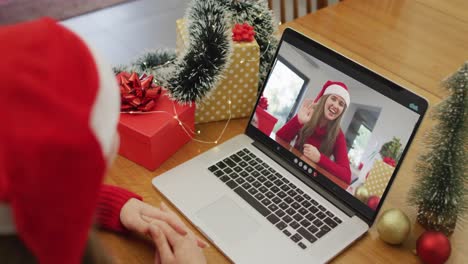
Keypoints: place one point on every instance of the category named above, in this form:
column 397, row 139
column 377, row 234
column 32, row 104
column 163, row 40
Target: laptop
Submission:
column 260, row 199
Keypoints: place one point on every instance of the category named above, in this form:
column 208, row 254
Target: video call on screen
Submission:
column 373, row 141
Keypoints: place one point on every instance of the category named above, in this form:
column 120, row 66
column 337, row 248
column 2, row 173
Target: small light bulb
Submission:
column 216, row 142
column 229, row 102
column 198, row 132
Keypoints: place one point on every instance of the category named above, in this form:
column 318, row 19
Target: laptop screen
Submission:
column 339, row 123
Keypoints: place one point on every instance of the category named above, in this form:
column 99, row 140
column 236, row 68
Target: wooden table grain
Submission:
column 415, row 43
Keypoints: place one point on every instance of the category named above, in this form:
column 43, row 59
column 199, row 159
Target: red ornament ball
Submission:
column 373, row 202
column 433, row 247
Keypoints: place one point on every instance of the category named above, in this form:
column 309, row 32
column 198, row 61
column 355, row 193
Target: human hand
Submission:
column 305, row 112
column 312, row 153
column 174, row 248
column 137, row 216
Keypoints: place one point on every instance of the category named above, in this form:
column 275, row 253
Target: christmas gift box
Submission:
column 265, row 121
column 150, row 138
column 378, row 178
column 236, row 94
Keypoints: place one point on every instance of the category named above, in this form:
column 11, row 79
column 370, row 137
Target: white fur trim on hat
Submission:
column 106, row 109
column 338, row 90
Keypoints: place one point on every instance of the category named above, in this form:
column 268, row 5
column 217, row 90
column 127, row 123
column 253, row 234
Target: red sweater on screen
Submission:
column 339, row 167
column 110, row 202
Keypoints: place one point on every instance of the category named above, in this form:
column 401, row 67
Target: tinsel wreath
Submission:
column 192, row 75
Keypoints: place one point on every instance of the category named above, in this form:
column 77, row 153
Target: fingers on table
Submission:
column 149, row 213
column 165, row 208
column 162, row 242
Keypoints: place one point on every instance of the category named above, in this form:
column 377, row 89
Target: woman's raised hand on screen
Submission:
column 306, row 111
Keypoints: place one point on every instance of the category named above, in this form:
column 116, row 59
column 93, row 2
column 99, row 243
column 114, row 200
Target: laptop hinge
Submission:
column 298, row 173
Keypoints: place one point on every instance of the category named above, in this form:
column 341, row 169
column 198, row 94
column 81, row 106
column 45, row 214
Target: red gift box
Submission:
column 151, row 138
column 265, row 120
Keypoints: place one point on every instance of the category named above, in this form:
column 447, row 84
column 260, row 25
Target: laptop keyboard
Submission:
column 296, row 214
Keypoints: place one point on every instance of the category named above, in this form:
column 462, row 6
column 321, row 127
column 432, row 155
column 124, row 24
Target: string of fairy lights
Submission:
column 186, row 128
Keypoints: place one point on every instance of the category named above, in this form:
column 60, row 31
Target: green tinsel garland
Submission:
column 148, row 61
column 154, row 58
column 191, row 76
column 196, row 71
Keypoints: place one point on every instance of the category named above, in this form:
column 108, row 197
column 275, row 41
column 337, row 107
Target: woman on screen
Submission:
column 317, row 130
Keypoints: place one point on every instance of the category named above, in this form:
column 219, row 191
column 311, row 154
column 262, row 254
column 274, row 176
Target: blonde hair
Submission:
column 333, row 128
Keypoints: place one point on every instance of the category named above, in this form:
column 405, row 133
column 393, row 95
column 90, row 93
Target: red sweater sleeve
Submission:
column 110, row 201
column 289, row 130
column 340, row 167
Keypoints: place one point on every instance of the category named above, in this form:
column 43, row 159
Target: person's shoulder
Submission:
column 341, row 135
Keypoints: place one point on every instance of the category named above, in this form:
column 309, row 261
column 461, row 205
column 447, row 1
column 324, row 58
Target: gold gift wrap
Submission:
column 378, row 178
column 238, row 86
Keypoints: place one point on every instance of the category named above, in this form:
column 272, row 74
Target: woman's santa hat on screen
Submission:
column 59, row 109
column 338, row 88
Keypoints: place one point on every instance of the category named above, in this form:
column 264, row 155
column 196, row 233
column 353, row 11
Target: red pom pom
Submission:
column 433, row 247
column 243, row 32
column 373, row 202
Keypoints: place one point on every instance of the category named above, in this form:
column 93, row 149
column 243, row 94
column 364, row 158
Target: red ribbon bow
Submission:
column 243, row 32
column 389, row 161
column 263, row 103
column 137, row 93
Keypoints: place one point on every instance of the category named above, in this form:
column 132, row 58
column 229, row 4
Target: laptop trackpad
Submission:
column 229, row 222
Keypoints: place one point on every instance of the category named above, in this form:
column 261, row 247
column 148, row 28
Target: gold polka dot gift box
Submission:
column 239, row 85
column 378, row 178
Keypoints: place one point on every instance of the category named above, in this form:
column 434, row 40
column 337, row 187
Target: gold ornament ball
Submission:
column 394, row 226
column 362, row 194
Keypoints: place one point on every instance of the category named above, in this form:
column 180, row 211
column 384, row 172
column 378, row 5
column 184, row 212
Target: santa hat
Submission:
column 59, row 110
column 337, row 88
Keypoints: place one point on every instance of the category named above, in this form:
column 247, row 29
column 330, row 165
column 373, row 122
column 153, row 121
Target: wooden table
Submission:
column 312, row 164
column 415, row 43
